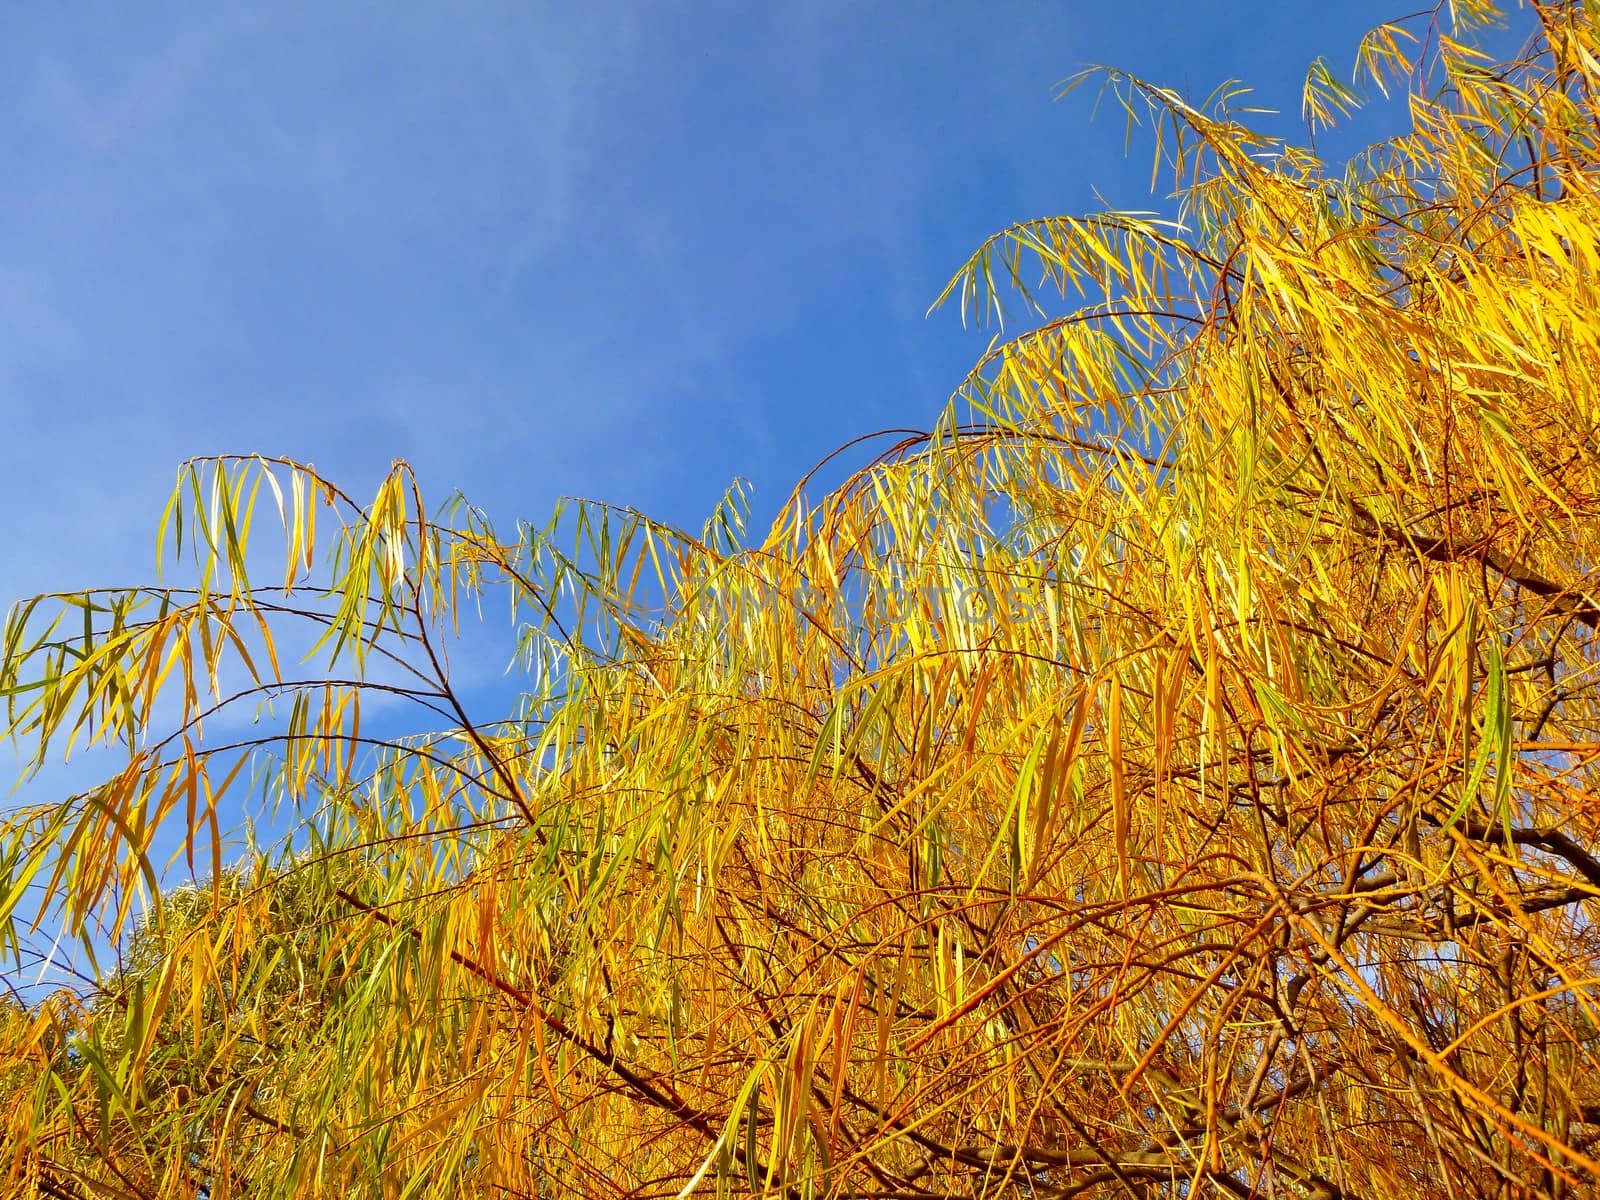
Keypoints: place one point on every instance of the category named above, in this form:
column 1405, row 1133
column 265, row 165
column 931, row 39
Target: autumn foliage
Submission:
column 1173, row 775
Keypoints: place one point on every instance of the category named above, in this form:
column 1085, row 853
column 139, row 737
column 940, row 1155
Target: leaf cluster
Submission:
column 1243, row 847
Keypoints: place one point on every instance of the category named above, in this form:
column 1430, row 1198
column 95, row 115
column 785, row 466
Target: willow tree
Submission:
column 1172, row 775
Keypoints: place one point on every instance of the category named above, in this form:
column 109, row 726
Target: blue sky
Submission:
column 621, row 251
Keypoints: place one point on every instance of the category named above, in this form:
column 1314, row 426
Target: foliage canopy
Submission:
column 1172, row 775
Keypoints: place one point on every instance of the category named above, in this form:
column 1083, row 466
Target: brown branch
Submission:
column 1566, row 600
column 657, row 1094
column 1549, row 838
